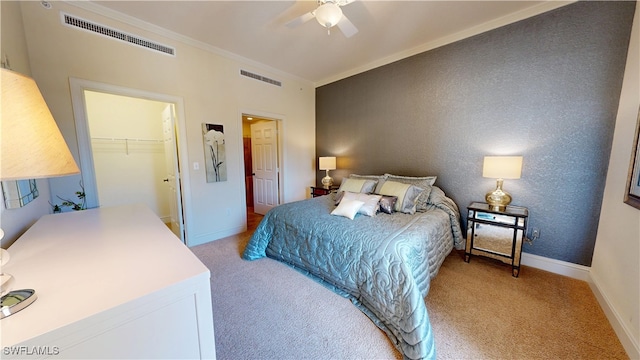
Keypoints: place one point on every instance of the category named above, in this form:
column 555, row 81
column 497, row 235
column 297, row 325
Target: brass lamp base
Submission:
column 327, row 181
column 498, row 199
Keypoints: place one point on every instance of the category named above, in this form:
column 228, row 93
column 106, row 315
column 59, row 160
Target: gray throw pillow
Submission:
column 358, row 185
column 379, row 178
column 424, row 182
column 407, row 195
column 388, row 203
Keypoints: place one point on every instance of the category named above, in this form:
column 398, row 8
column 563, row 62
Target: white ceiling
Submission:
column 388, row 30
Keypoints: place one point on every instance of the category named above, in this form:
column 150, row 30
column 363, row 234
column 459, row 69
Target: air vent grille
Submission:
column 261, row 78
column 116, row 34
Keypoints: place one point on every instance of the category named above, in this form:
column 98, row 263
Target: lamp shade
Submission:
column 502, row 167
column 328, row 14
column 327, row 163
column 31, row 144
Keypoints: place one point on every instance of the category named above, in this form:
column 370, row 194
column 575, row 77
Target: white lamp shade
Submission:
column 502, row 167
column 31, row 143
column 328, row 14
column 327, row 163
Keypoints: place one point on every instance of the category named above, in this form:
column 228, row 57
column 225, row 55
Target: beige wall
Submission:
column 14, row 45
column 212, row 91
column 615, row 269
column 129, row 171
column 14, row 222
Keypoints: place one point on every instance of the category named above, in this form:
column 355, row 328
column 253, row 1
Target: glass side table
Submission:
column 496, row 234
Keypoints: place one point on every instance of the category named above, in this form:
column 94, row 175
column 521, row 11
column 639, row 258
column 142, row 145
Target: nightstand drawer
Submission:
column 320, row 190
column 496, row 218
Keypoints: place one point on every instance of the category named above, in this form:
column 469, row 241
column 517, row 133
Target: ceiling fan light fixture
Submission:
column 328, row 14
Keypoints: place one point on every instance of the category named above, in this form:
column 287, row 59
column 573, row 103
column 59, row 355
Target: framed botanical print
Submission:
column 214, row 152
column 632, row 195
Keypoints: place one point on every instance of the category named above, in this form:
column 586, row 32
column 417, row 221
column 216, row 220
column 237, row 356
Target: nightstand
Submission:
column 321, row 190
column 496, row 234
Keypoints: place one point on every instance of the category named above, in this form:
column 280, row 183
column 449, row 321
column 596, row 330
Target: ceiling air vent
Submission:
column 115, row 34
column 261, row 78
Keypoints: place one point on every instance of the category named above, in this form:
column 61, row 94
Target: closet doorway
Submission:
column 132, row 154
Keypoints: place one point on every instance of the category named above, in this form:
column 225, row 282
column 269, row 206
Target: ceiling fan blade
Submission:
column 300, row 20
column 347, row 27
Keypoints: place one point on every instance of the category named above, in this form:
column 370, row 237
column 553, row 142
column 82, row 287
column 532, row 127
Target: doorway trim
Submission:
column 280, row 121
column 78, row 87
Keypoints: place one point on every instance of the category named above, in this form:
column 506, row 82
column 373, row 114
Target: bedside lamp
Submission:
column 501, row 167
column 32, row 147
column 327, row 163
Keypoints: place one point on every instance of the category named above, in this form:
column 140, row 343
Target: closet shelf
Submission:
column 126, row 145
column 127, row 139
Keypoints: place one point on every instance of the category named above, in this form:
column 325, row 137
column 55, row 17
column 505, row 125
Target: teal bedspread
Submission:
column 383, row 264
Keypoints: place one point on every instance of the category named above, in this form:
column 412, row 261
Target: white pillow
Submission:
column 371, row 202
column 348, row 208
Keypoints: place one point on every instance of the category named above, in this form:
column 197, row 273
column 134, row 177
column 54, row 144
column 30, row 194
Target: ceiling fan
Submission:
column 329, row 14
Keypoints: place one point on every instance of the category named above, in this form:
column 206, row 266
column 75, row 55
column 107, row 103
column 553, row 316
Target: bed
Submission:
column 383, row 263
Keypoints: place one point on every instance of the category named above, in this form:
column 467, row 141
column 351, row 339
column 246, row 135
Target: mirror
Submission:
column 19, row 193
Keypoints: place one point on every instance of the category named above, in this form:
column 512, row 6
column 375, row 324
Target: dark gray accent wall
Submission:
column 546, row 88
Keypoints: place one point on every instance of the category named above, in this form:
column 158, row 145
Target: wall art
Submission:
column 632, row 195
column 214, row 152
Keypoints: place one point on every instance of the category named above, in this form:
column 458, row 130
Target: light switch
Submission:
column 196, row 166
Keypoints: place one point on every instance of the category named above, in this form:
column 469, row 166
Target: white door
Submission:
column 264, row 153
column 172, row 178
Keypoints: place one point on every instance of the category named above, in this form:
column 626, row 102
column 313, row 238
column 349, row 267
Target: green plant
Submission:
column 76, row 206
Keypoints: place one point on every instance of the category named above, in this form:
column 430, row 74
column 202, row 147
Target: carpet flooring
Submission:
column 264, row 309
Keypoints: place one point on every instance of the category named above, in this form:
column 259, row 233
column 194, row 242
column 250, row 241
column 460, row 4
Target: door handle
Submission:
column 165, row 180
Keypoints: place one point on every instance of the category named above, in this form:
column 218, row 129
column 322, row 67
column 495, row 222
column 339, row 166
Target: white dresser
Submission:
column 112, row 283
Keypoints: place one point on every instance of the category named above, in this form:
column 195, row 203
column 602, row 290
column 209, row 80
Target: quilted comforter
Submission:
column 383, row 264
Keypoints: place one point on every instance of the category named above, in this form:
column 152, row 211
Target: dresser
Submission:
column 111, row 283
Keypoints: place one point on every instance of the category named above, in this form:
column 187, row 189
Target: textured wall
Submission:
column 546, row 88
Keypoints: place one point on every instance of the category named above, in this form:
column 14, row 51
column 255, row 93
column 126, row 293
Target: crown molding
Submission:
column 479, row 29
column 146, row 26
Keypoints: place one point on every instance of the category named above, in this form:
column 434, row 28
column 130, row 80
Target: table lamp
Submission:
column 500, row 168
column 31, row 147
column 327, row 163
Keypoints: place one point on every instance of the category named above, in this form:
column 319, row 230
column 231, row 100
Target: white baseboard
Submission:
column 618, row 324
column 583, row 273
column 571, row 270
column 208, row 237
